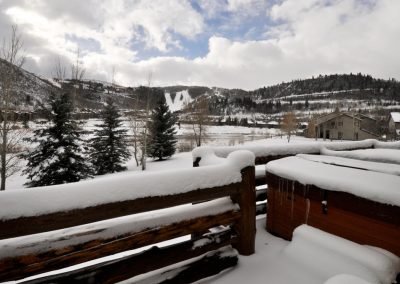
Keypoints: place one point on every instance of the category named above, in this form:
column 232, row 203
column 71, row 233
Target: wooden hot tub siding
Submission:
column 291, row 204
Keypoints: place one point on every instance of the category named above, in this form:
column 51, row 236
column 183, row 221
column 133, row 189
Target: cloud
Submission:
column 297, row 39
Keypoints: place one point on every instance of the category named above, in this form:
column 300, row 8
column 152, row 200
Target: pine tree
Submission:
column 161, row 131
column 58, row 158
column 109, row 146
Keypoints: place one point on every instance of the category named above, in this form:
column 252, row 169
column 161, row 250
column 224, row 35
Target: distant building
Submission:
column 394, row 125
column 346, row 126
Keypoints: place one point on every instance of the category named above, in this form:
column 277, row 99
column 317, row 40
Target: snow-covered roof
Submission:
column 379, row 187
column 273, row 123
column 395, row 116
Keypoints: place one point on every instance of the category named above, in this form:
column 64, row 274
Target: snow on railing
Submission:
column 267, row 153
column 36, row 233
column 205, row 156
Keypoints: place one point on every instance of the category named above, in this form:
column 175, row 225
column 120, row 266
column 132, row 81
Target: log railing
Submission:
column 37, row 243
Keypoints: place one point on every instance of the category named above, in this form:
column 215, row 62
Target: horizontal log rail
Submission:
column 66, row 255
column 48, row 222
column 265, row 154
column 60, row 244
column 117, row 270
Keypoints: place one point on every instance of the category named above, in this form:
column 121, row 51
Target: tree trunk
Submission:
column 4, row 153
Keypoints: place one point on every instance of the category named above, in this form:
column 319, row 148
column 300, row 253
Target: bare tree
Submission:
column 197, row 113
column 145, row 129
column 77, row 74
column 312, row 123
column 137, row 123
column 289, row 124
column 11, row 52
column 59, row 70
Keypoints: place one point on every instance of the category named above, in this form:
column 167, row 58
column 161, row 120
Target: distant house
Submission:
column 394, row 125
column 346, row 126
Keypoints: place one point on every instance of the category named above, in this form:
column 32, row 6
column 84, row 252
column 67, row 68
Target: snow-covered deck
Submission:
column 312, row 258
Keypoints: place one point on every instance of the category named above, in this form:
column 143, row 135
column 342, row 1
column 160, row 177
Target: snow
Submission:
column 336, row 255
column 274, row 259
column 121, row 187
column 379, row 187
column 346, row 279
column 313, row 257
column 113, row 227
column 395, row 116
column 243, row 158
column 305, row 146
column 391, row 156
column 393, row 169
column 181, row 98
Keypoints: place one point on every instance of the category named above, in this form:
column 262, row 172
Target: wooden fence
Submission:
column 232, row 208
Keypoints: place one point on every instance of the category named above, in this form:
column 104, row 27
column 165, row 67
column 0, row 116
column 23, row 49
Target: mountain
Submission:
column 31, row 91
column 308, row 96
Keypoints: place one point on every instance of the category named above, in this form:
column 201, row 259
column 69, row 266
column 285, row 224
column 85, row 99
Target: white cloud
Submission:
column 307, row 37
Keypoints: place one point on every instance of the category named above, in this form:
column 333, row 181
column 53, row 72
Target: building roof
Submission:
column 395, row 116
column 333, row 115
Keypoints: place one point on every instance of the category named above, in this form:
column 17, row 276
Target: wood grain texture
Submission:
column 48, row 222
column 364, row 221
column 246, row 226
column 34, row 263
column 152, row 259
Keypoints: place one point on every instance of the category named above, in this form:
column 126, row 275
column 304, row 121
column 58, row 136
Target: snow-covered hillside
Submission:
column 178, row 101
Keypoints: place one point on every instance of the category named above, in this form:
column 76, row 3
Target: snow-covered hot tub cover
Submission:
column 122, row 187
column 375, row 186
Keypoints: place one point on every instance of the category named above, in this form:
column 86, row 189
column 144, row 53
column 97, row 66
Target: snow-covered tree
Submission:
column 58, row 158
column 162, row 141
column 109, row 146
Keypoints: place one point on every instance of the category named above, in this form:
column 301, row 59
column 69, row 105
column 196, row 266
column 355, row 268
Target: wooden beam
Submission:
column 60, row 220
column 127, row 267
column 246, row 226
column 261, row 209
column 64, row 256
column 261, row 194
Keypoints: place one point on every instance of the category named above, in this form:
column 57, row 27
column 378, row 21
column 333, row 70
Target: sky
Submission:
column 243, row 44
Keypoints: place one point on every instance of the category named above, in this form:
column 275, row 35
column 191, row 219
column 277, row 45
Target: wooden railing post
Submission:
column 246, row 226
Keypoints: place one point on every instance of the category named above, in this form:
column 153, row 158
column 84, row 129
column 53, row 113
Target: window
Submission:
column 340, row 123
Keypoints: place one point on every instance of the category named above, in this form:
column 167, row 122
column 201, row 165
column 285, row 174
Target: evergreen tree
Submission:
column 58, row 157
column 109, row 147
column 161, row 131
